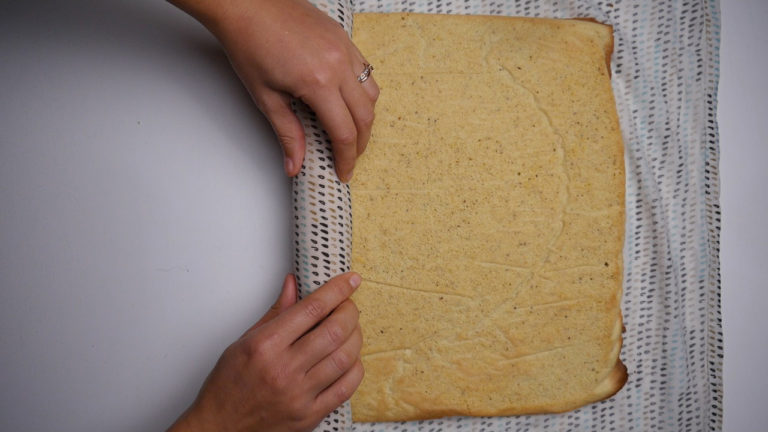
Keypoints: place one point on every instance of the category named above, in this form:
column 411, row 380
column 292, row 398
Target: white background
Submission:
column 145, row 220
column 144, row 217
column 743, row 120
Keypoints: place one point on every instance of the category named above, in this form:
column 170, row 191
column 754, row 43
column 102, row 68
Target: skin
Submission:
column 300, row 361
column 284, row 49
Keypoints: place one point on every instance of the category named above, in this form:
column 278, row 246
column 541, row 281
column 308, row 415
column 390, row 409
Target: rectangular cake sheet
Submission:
column 488, row 218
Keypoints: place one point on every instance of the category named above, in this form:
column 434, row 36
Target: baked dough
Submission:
column 488, row 218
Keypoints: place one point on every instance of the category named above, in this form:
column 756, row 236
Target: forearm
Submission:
column 211, row 13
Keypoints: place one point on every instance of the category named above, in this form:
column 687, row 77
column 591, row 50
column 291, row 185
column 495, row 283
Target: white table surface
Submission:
column 145, row 220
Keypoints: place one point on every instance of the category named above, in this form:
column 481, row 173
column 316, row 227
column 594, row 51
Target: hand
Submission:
column 288, row 48
column 288, row 371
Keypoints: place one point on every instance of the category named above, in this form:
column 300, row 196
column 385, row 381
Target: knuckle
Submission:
column 314, row 309
column 335, row 333
column 347, row 388
column 309, row 84
column 339, row 289
column 335, row 56
column 349, row 313
column 367, row 119
column 288, row 140
column 247, row 348
column 326, row 71
column 340, row 360
column 320, row 78
column 252, row 349
column 261, row 347
column 354, row 310
column 344, row 392
column 361, row 373
column 347, row 137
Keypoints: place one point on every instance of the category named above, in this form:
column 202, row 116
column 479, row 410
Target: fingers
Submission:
column 371, row 88
column 290, row 133
column 286, row 299
column 327, row 337
column 298, row 319
column 337, row 120
column 337, row 363
column 347, row 117
column 361, row 107
column 341, row 390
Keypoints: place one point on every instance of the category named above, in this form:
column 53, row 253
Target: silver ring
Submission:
column 365, row 74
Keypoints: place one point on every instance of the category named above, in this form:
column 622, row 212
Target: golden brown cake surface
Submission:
column 488, row 218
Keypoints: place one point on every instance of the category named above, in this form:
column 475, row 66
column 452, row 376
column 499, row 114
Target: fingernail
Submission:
column 355, row 280
column 348, row 177
column 288, row 164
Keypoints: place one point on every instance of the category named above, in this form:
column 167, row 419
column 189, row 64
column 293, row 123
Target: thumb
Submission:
column 288, row 295
column 287, row 127
column 284, row 301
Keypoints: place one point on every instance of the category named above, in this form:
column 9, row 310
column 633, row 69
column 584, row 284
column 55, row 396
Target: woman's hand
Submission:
column 288, row 371
column 288, row 48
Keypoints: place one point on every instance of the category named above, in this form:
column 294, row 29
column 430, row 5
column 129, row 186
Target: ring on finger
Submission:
column 365, row 74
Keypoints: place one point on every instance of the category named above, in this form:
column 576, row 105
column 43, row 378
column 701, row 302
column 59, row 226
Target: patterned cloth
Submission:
column 665, row 75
